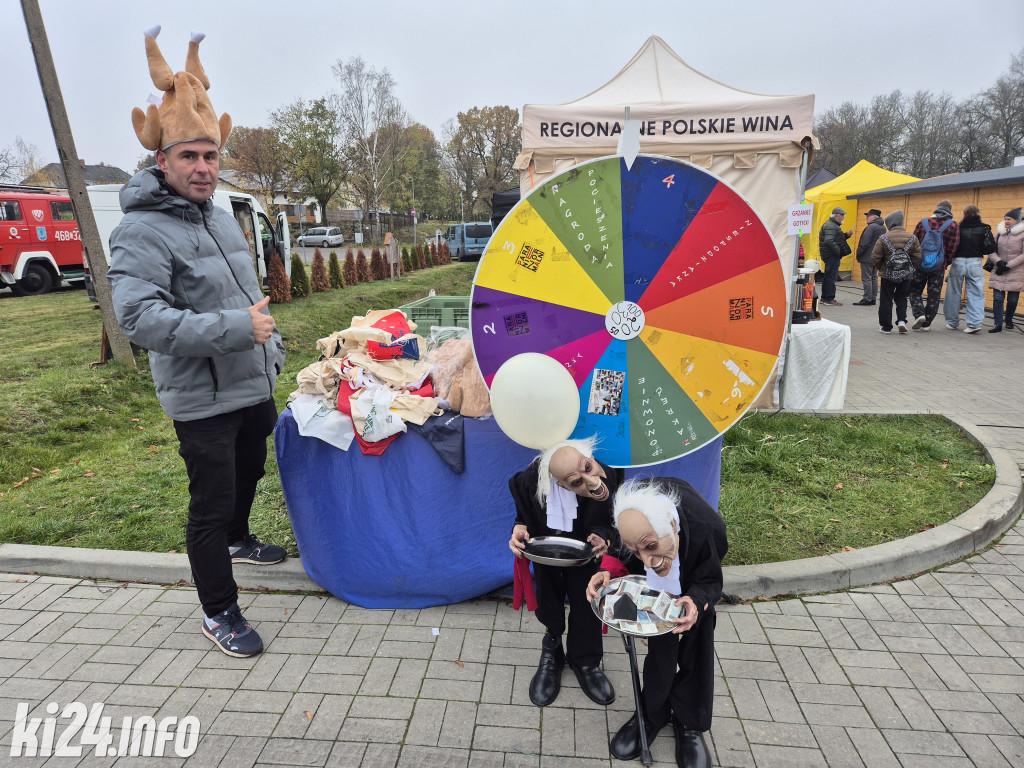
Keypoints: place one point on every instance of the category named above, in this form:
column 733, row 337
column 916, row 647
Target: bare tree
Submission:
column 842, row 132
column 885, row 131
column 20, row 161
column 973, row 145
column 372, row 122
column 927, row 134
column 147, row 160
column 1003, row 108
column 258, row 155
column 8, row 165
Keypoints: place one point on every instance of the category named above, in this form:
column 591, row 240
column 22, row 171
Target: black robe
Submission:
column 554, row 583
column 679, row 669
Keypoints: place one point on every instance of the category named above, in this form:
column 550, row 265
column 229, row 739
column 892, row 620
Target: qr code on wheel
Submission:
column 530, row 257
column 517, row 324
column 741, row 308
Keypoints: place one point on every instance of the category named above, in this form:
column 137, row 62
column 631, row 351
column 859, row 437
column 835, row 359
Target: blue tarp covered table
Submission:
column 401, row 530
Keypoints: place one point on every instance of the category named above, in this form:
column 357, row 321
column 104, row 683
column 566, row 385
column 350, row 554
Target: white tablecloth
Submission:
column 816, row 366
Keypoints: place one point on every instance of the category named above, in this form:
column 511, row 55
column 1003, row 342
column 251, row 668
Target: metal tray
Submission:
column 655, row 625
column 558, row 550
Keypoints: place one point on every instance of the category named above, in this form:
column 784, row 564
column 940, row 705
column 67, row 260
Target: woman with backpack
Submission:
column 1007, row 279
column 896, row 255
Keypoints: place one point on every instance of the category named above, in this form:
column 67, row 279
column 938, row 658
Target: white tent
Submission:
column 754, row 142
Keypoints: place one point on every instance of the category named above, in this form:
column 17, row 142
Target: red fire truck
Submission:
column 39, row 240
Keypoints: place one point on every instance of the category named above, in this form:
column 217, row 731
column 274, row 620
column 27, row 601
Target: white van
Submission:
column 260, row 233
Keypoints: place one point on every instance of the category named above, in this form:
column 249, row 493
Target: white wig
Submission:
column 656, row 503
column 585, row 446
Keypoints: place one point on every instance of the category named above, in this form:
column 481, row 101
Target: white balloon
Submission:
column 535, row 400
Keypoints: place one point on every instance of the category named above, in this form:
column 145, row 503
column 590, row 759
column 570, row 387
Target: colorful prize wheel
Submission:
column 658, row 288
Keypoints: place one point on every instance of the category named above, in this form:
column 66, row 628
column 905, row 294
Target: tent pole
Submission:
column 793, row 272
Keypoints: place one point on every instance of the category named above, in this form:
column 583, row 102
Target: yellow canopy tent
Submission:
column 863, row 177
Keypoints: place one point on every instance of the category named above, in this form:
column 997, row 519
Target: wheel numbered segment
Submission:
column 657, row 287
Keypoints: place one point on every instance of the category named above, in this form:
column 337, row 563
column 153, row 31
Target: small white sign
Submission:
column 800, row 218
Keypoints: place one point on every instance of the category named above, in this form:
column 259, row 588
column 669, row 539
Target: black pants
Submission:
column 892, row 292
column 933, row 280
column 828, row 284
column 554, row 584
column 224, row 456
column 679, row 676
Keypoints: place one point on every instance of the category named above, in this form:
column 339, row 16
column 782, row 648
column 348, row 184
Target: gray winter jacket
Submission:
column 183, row 282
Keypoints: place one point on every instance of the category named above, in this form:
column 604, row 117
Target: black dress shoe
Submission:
column 547, row 681
column 863, row 303
column 691, row 750
column 626, row 742
column 594, row 683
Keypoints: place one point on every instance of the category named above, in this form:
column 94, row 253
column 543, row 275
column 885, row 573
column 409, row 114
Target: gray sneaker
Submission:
column 232, row 634
column 975, row 329
column 901, row 326
column 251, row 550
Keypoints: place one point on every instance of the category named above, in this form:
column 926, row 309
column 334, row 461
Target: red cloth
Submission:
column 522, row 585
column 394, row 323
column 614, row 566
column 345, row 391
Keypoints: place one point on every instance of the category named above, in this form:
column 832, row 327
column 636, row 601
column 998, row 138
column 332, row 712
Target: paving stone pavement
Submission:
column 927, row 671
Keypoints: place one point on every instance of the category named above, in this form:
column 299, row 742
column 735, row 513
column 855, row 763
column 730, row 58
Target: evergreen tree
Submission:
column 406, row 261
column 362, row 267
column 351, row 278
column 320, row 281
column 378, row 268
column 279, row 282
column 300, row 280
column 334, row 271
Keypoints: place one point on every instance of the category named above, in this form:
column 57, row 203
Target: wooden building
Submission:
column 994, row 192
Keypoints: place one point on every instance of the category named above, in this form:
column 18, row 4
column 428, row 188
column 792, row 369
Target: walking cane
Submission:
column 645, row 748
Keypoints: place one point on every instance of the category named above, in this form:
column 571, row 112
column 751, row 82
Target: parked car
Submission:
column 467, row 241
column 322, row 236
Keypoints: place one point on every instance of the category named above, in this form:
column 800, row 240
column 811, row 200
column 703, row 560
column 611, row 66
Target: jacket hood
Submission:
column 148, row 190
column 1016, row 229
column 894, row 220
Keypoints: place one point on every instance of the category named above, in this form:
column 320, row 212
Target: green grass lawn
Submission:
column 88, row 459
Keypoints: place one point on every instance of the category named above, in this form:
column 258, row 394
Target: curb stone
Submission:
column 969, row 532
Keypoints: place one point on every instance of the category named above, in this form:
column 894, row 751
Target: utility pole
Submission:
column 91, row 241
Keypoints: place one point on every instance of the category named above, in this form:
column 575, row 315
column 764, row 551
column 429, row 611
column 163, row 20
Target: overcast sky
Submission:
column 448, row 56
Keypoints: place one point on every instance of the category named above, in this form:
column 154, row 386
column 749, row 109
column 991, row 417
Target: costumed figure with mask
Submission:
column 678, row 541
column 566, row 492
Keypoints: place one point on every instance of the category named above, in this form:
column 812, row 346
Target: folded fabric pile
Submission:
column 374, row 372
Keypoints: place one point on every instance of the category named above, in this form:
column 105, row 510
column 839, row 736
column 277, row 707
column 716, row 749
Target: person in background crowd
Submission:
column 868, row 274
column 1007, row 280
column 966, row 270
column 833, row 245
column 896, row 239
column 925, row 313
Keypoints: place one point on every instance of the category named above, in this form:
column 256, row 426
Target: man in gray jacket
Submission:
column 868, row 274
column 184, row 289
